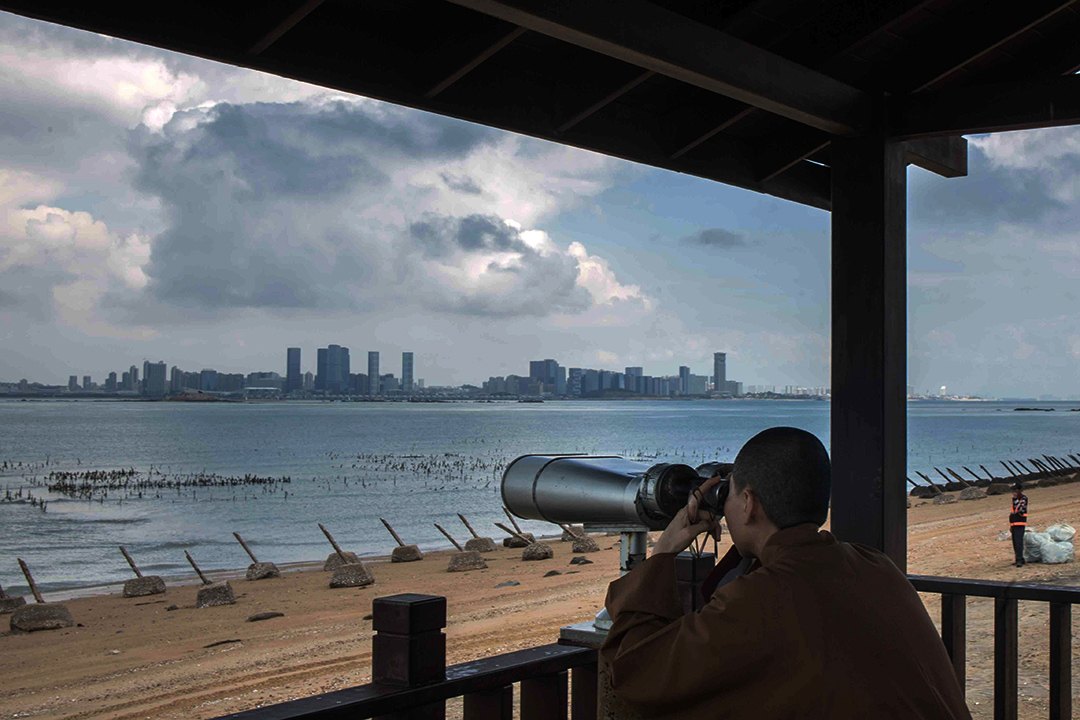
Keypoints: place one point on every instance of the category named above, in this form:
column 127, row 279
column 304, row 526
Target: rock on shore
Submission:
column 334, row 561
column 537, row 551
column 464, row 561
column 219, row 593
column 41, row 616
column 262, row 571
column 406, row 553
column 480, row 544
column 352, row 575
column 143, row 586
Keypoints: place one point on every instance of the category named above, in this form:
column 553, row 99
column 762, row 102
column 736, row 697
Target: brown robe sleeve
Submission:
column 661, row 660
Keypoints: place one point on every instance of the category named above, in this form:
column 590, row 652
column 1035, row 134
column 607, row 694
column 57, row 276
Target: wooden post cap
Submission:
column 408, row 613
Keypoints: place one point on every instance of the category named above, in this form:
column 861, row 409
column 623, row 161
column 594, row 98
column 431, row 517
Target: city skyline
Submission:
column 206, row 211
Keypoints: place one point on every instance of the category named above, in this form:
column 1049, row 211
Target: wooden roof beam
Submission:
column 669, row 44
column 606, row 100
column 475, row 62
column 988, row 108
column 287, row 24
column 946, row 156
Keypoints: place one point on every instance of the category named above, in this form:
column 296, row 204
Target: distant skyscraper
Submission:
column 125, row 381
column 333, row 368
column 719, row 364
column 293, row 379
column 684, row 380
column 549, row 373
column 155, row 381
column 208, row 379
column 73, row 382
column 321, row 368
column 574, row 381
column 373, row 373
column 87, row 383
column 110, row 383
column 134, row 377
column 176, row 381
column 309, row 381
column 407, row 372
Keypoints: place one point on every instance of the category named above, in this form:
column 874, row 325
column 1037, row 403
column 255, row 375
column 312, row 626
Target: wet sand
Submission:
column 135, row 658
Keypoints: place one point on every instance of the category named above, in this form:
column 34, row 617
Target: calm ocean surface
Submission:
column 413, row 464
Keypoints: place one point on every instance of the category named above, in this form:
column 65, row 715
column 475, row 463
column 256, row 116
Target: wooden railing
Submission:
column 411, row 680
column 954, row 594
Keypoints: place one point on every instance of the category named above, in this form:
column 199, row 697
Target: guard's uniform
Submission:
column 1018, row 526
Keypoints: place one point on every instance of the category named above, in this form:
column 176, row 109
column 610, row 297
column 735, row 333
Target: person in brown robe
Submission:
column 817, row 628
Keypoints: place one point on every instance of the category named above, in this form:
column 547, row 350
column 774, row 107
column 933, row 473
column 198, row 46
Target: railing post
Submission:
column 954, row 634
column 583, row 692
column 497, row 704
column 409, row 647
column 544, row 697
column 1005, row 659
column 1060, row 661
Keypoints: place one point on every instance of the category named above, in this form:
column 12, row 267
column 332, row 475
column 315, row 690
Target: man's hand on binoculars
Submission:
column 680, row 532
column 698, row 493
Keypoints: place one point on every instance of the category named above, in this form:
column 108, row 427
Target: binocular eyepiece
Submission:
column 608, row 490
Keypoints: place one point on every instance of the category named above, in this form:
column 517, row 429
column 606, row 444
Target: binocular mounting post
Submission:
column 633, row 549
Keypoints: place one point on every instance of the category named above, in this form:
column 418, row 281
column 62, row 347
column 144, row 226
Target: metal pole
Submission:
column 246, row 548
column 449, row 537
column 399, row 542
column 334, row 544
column 197, row 570
column 30, row 581
column 130, row 561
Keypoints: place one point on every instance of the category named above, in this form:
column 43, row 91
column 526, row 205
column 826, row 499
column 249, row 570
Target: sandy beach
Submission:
column 149, row 657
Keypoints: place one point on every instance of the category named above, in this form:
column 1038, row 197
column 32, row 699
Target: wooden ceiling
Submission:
column 744, row 92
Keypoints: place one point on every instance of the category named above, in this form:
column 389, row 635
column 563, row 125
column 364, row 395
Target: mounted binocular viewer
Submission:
column 607, row 492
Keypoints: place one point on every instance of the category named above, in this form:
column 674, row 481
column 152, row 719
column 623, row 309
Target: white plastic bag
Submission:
column 1061, row 533
column 1033, row 546
column 1057, row 552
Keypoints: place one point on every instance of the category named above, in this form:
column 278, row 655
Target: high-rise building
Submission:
column 373, row 373
column 208, row 379
column 73, row 382
column 389, row 383
column 86, row 382
column 549, row 374
column 110, row 382
column 134, row 377
column 333, row 368
column 176, row 381
column 293, row 379
column 684, row 380
column 309, row 381
column 155, row 379
column 125, row 381
column 321, row 369
column 574, row 379
column 719, row 364
column 407, row 372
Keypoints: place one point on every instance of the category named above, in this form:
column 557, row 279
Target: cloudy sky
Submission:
column 155, row 206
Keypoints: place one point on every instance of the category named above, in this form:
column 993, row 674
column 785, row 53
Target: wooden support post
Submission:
column 399, row 542
column 869, row 344
column 409, row 647
column 333, row 544
column 246, row 548
column 956, row 475
column 508, row 531
column 1060, row 661
column 30, row 581
column 583, row 692
column 450, row 538
column 954, row 634
column 130, row 562
column 197, row 570
column 988, row 473
column 467, row 525
column 932, row 483
column 1025, row 467
column 543, row 697
column 497, row 704
column 1007, row 468
column 1005, row 659
column 511, row 517
column 971, row 473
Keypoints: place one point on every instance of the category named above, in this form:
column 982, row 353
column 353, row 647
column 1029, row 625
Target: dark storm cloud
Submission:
column 283, row 207
column 716, row 238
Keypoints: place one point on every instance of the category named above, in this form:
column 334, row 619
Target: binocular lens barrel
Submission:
column 604, row 490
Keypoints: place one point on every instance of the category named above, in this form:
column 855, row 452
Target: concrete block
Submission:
column 143, row 586
column 585, row 544
column 578, row 531
column 262, row 571
column 944, row 499
column 972, row 493
column 219, row 593
column 41, row 616
column 334, row 561
column 464, row 561
column 999, row 489
column 352, row 575
column 537, row 551
column 10, row 604
column 480, row 544
column 514, row 542
column 406, row 553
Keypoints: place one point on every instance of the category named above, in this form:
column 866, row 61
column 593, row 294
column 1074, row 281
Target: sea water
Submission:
column 414, row 464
